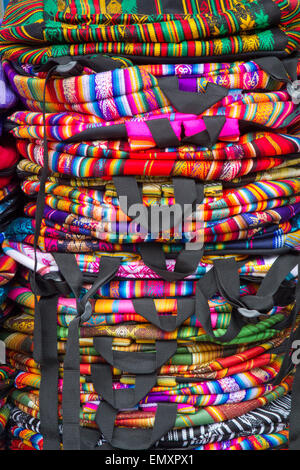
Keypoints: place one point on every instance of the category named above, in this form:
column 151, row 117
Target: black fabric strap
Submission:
column 291, row 64
column 89, row 438
column 191, row 103
column 224, row 278
column 202, row 139
column 274, row 67
column 135, row 362
column 214, row 126
column 135, row 439
column 228, row 283
column 120, row 399
column 71, row 381
column 71, row 389
column 186, row 262
column 115, row 132
column 294, row 428
column 70, row 271
column 146, row 308
column 46, row 315
column 98, row 63
column 205, row 289
column 163, row 133
column 45, row 325
column 127, row 186
column 208, row 137
column 187, row 193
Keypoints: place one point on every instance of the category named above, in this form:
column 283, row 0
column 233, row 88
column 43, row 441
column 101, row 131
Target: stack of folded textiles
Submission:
column 8, row 269
column 9, row 188
column 175, row 337
column 9, row 205
column 7, row 375
column 10, row 193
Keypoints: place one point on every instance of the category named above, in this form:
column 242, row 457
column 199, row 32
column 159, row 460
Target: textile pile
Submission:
column 156, row 300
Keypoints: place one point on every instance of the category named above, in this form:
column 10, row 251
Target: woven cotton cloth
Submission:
column 22, row 439
column 9, row 159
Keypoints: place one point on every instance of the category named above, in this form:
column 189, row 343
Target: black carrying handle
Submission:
column 68, row 66
column 69, row 269
column 135, row 439
column 135, row 362
column 187, row 194
column 186, row 262
column 161, row 131
column 146, row 308
column 124, row 398
column 206, row 287
column 191, row 103
column 251, row 306
column 224, row 278
column 279, row 69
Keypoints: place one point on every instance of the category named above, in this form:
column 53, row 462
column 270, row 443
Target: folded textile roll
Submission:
column 31, row 171
column 56, row 238
column 197, row 414
column 132, row 266
column 255, row 442
column 23, row 439
column 144, row 90
column 75, row 221
column 270, row 419
column 34, row 33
